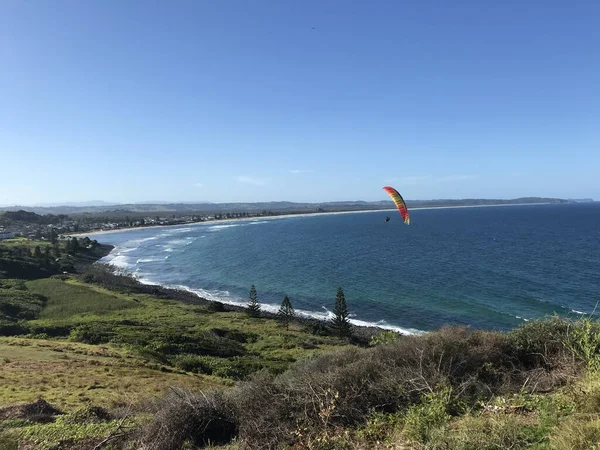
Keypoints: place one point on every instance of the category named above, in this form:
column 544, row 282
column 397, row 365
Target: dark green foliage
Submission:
column 93, row 333
column 236, row 335
column 236, row 368
column 16, row 303
column 164, row 341
column 340, row 323
column 253, row 305
column 8, row 328
column 215, row 307
column 48, row 330
column 286, row 312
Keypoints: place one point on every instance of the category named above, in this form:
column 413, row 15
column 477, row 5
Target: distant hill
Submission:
column 282, row 206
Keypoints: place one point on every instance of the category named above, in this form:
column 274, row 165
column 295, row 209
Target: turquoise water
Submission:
column 490, row 267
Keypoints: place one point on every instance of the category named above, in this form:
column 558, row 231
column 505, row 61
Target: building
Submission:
column 6, row 235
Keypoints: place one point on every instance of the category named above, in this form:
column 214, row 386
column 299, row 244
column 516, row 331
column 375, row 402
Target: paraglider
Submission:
column 399, row 202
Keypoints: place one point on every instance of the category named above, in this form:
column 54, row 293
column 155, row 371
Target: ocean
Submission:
column 487, row 267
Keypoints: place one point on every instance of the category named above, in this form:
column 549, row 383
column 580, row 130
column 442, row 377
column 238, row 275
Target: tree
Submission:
column 73, row 245
column 340, row 323
column 253, row 306
column 37, row 252
column 286, row 312
column 52, row 236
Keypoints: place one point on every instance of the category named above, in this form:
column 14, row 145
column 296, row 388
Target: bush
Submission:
column 87, row 414
column 384, row 338
column 49, row 330
column 183, row 418
column 12, row 329
column 215, row 307
column 540, row 342
column 236, row 368
column 428, row 418
column 410, row 378
column 92, row 333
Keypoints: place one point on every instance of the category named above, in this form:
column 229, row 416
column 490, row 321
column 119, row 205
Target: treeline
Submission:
column 28, row 261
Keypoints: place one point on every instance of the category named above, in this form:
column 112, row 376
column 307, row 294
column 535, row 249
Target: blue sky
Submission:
column 298, row 100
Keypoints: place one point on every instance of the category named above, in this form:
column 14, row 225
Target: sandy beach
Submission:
column 284, row 216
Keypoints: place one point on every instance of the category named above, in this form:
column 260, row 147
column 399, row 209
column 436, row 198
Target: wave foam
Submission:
column 120, row 261
column 222, row 227
column 227, row 298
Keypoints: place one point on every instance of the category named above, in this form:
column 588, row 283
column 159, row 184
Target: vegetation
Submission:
column 122, row 365
column 340, row 322
column 253, row 305
column 451, row 389
column 31, row 259
column 286, row 312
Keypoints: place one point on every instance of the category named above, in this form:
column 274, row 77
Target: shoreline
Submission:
column 283, row 216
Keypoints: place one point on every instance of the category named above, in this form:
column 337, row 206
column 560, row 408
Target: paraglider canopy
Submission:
column 399, row 202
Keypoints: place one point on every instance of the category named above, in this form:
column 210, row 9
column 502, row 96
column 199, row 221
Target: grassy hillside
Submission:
column 122, row 366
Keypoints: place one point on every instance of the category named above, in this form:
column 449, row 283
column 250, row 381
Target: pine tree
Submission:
column 286, row 312
column 37, row 252
column 340, row 323
column 253, row 306
column 73, row 245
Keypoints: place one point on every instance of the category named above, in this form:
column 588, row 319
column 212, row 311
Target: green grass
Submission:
column 17, row 303
column 111, row 348
column 70, row 374
column 24, row 242
column 66, row 300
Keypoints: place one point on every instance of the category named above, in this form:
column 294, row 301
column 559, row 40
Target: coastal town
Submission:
column 23, row 224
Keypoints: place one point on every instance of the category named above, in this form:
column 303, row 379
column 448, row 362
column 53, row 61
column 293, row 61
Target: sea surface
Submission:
column 487, row 267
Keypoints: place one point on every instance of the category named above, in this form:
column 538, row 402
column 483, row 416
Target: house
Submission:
column 6, row 235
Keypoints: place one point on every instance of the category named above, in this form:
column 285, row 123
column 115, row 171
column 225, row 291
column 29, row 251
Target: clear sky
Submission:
column 298, row 100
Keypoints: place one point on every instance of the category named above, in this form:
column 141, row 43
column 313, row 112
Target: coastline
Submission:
column 309, row 315
column 283, row 216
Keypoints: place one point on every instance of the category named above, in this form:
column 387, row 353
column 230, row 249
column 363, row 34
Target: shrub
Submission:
column 92, row 333
column 384, row 338
column 48, row 330
column 540, row 342
column 12, row 329
column 411, row 378
column 182, row 418
column 426, row 419
column 215, row 307
column 583, row 340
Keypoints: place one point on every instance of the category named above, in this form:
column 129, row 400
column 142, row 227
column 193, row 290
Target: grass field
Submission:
column 88, row 346
column 70, row 375
column 111, row 348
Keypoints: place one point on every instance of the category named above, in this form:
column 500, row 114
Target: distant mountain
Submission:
column 75, row 204
column 155, row 208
